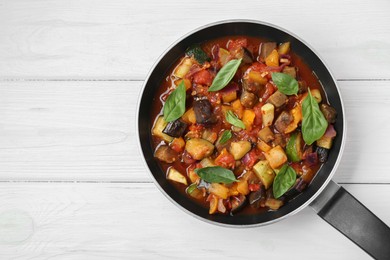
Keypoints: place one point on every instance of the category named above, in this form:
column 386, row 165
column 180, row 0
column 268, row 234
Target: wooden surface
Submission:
column 72, row 181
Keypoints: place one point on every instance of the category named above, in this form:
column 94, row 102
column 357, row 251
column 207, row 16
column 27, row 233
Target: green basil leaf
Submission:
column 314, row 123
column 233, row 119
column 226, row 135
column 285, row 83
column 175, row 105
column 216, row 174
column 199, row 55
column 225, row 75
column 283, row 181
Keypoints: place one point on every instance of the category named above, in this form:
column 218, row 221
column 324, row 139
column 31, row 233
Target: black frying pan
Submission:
column 332, row 202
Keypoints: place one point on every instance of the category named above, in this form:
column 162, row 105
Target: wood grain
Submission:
column 122, row 39
column 85, row 131
column 122, row 221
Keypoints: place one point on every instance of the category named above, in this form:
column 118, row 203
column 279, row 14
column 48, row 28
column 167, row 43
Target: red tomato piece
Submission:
column 225, row 159
column 254, row 187
column 203, row 77
column 234, row 44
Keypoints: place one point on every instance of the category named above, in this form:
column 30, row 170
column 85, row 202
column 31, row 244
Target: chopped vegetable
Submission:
column 294, row 148
column 264, row 172
column 284, row 48
column 296, row 113
column 198, row 54
column 199, row 148
column 219, row 190
column 266, row 49
column 248, row 99
column 158, row 129
column 239, row 149
column 267, row 112
column 329, row 112
column 175, row 175
column 175, row 128
column 189, row 116
column 276, row 157
column 291, row 71
column 266, row 134
column 277, row 99
column 165, row 153
column 203, row 111
column 263, row 146
column 248, row 118
column 283, row 121
column 272, row 59
column 183, row 68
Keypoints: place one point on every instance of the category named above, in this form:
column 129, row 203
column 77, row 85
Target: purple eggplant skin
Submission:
column 238, row 203
column 175, row 128
column 297, row 188
column 256, row 198
column 203, row 112
column 322, row 154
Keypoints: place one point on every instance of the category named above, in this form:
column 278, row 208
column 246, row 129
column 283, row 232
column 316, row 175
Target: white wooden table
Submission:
column 72, row 181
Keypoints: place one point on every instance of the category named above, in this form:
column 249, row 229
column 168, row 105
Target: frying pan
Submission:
column 331, row 202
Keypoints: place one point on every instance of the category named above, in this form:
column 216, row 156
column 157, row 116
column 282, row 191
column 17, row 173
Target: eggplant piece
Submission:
column 247, row 56
column 283, row 121
column 329, row 113
column 248, row 99
column 290, row 71
column 266, row 48
column 279, row 140
column 257, row 198
column 277, row 99
column 253, row 87
column 322, row 154
column 302, row 87
column 238, row 203
column 175, row 128
column 298, row 187
column 203, row 112
column 165, row 153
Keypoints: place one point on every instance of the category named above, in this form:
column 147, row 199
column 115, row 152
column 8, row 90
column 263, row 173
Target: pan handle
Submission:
column 345, row 213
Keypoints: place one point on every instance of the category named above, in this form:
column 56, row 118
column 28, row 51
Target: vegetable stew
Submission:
column 241, row 124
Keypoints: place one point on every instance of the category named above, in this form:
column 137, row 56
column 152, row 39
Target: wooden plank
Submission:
column 118, row 221
column 85, row 131
column 122, row 39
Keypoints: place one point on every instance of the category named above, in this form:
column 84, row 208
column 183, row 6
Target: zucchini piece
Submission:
column 264, row 172
column 207, row 162
column 199, row 55
column 267, row 112
column 175, row 175
column 294, row 148
column 183, row 68
column 199, row 148
column 219, row 190
column 239, row 149
column 159, row 127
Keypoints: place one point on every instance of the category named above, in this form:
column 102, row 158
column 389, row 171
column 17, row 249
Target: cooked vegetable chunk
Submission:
column 277, row 99
column 276, row 157
column 266, row 49
column 290, row 71
column 159, row 127
column 267, row 112
column 199, row 148
column 248, row 99
column 329, row 113
column 175, row 175
column 239, row 149
column 165, row 153
column 183, row 68
column 266, row 134
column 203, row 111
column 219, row 190
column 175, row 128
column 283, row 121
column 264, row 172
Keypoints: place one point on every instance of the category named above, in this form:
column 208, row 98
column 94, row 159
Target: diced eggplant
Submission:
column 279, row 140
column 203, row 112
column 277, row 99
column 257, row 198
column 266, row 48
column 238, row 203
column 322, row 154
column 290, row 71
column 329, row 112
column 248, row 99
column 247, row 56
column 175, row 128
column 266, row 134
column 302, row 86
column 165, row 153
column 250, row 86
column 283, row 121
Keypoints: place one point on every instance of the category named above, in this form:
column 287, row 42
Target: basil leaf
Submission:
column 233, row 119
column 314, row 123
column 216, row 174
column 175, row 105
column 226, row 135
column 225, row 75
column 285, row 83
column 283, row 181
column 199, row 55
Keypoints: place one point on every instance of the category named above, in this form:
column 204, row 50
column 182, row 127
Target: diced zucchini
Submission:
column 239, row 149
column 192, row 175
column 247, row 118
column 189, row 116
column 264, row 172
column 266, row 134
column 276, row 157
column 224, row 56
column 183, row 68
column 207, row 162
column 267, row 112
column 219, row 190
column 158, row 128
column 294, row 148
column 209, row 135
column 199, row 55
column 194, row 192
column 199, row 148
column 284, row 48
column 273, row 59
column 325, row 142
column 175, row 175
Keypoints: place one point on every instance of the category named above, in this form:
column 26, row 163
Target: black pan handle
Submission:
column 345, row 213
